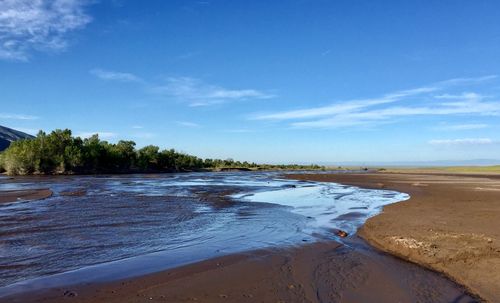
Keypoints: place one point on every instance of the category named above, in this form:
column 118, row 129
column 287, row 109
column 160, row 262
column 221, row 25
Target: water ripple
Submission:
column 177, row 217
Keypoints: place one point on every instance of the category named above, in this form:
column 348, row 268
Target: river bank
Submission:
column 451, row 224
column 323, row 269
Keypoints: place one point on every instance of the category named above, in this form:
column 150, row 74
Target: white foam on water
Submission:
column 330, row 205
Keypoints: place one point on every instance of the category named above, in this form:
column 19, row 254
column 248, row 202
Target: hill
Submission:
column 8, row 135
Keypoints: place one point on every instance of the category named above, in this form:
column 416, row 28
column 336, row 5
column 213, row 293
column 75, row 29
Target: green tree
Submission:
column 147, row 157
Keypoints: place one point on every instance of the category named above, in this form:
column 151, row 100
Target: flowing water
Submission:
column 134, row 224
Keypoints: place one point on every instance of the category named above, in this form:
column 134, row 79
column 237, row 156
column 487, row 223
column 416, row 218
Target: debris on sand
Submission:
column 341, row 233
column 70, row 294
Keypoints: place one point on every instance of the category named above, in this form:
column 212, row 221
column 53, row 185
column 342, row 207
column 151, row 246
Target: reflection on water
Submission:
column 170, row 219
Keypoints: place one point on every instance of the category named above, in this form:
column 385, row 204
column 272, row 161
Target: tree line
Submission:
column 61, row 153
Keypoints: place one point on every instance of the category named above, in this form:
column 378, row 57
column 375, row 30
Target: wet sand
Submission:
column 451, row 224
column 321, row 272
column 8, row 196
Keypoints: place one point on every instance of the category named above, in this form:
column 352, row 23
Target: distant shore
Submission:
column 262, row 168
column 451, row 223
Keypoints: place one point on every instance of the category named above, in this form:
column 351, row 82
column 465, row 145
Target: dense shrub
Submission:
column 61, row 153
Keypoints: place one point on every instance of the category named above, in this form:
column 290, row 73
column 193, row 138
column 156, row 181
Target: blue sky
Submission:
column 266, row 81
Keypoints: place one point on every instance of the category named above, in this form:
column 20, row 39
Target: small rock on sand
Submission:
column 341, row 233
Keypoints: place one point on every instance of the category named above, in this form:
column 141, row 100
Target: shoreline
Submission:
column 450, row 224
column 318, row 272
column 261, row 168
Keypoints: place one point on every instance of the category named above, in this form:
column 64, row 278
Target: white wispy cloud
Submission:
column 41, row 25
column 17, row 116
column 187, row 124
column 239, row 131
column 102, row 134
column 462, row 96
column 467, row 81
column 192, row 91
column 386, row 108
column 198, row 93
column 114, row 75
column 465, row 141
column 458, row 127
column 137, row 126
column 344, row 107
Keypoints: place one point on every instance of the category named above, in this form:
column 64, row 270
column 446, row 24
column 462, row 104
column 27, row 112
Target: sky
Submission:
column 293, row 81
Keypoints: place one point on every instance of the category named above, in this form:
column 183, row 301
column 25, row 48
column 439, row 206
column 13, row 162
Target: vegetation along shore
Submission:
column 61, row 153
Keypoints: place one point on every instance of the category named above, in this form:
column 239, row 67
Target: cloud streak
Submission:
column 17, row 116
column 192, row 91
column 41, row 25
column 458, row 127
column 342, row 107
column 114, row 76
column 387, row 108
column 466, row 141
column 187, row 124
column 198, row 93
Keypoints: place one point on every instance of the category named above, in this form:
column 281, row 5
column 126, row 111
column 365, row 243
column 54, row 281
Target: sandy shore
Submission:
column 7, row 196
column 451, row 224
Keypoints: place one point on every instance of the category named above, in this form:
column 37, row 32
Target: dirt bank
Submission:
column 450, row 224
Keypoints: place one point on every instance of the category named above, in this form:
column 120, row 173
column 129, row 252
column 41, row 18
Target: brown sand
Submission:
column 450, row 224
column 322, row 272
column 7, row 196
